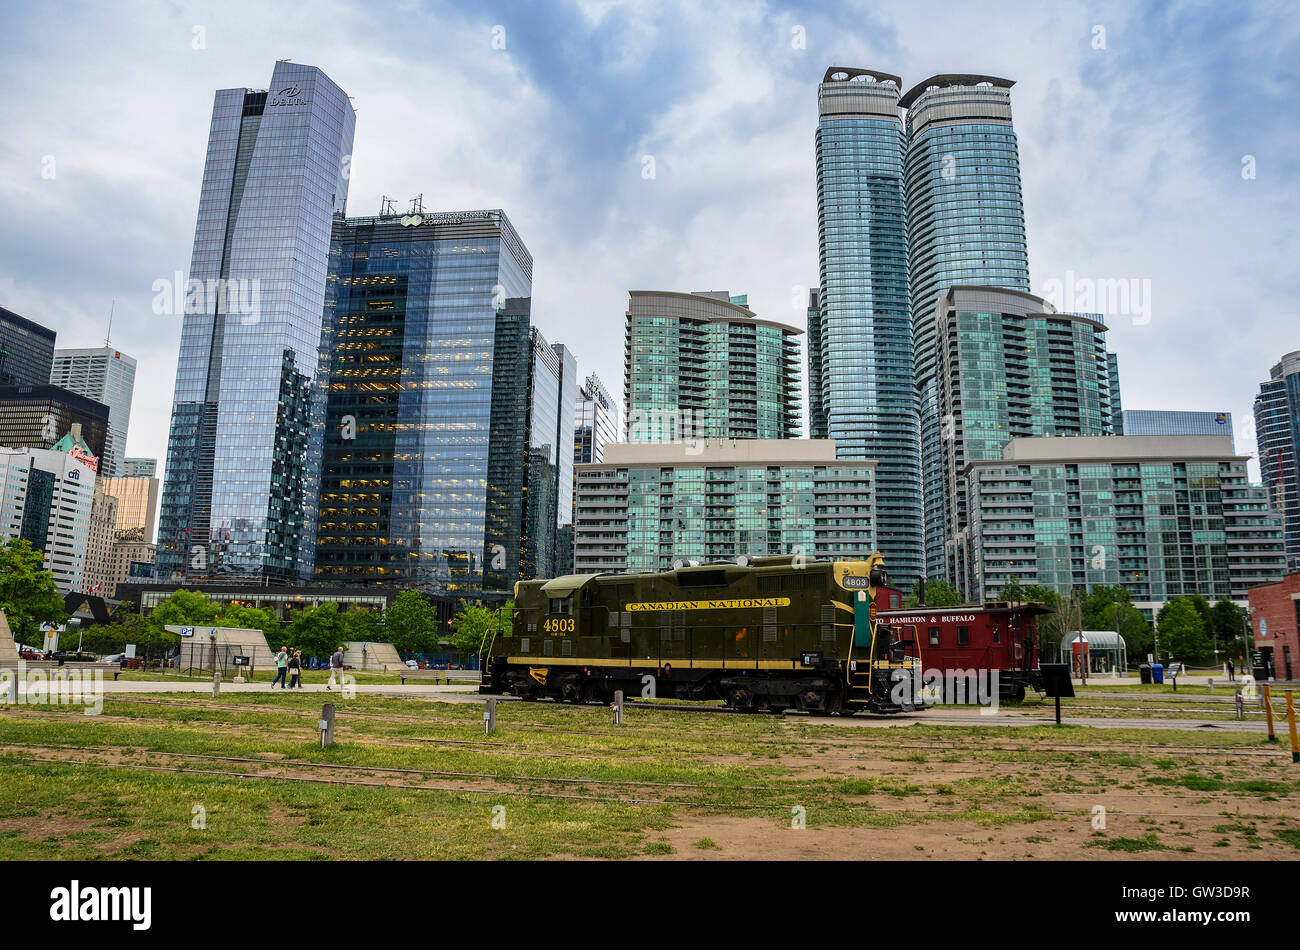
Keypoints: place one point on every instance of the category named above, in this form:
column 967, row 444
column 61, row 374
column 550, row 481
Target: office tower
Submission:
column 45, row 498
column 1176, row 422
column 137, row 499
column 26, row 351
column 1010, row 366
column 864, row 338
column 647, row 505
column 443, row 407
column 139, row 468
column 596, row 424
column 99, row 578
column 595, row 421
column 703, row 365
column 37, row 416
column 243, row 454
column 1162, row 516
column 1277, row 433
column 965, row 226
column 530, row 470
column 105, row 375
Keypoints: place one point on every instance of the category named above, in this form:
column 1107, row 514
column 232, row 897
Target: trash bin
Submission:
column 1158, row 673
column 1144, row 672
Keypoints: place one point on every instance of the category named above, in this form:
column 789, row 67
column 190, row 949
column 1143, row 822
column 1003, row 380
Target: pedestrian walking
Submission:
column 295, row 670
column 1232, row 668
column 336, row 668
column 281, row 662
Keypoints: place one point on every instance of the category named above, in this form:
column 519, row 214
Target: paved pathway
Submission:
column 458, row 693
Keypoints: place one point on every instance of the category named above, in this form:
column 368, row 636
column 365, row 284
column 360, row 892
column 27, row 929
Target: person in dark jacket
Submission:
column 336, row 668
column 295, row 670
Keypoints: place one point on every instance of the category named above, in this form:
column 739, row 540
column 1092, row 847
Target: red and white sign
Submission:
column 85, row 458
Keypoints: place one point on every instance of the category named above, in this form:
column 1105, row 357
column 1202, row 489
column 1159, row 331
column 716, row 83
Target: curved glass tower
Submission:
column 965, row 226
column 866, row 392
column 243, row 455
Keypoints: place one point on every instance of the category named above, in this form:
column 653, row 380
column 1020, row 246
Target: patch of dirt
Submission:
column 41, row 827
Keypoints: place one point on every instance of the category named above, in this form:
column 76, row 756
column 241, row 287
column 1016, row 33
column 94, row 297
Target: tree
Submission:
column 473, row 626
column 411, row 623
column 1100, row 608
column 1228, row 622
column 1051, row 627
column 363, row 625
column 316, row 631
column 938, row 593
column 28, row 595
column 183, row 608
column 251, row 618
column 1182, row 631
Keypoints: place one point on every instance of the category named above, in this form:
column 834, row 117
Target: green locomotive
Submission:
column 768, row 633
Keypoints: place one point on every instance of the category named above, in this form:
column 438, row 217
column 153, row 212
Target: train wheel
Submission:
column 571, row 692
column 740, row 698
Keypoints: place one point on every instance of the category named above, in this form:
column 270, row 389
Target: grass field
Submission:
column 178, row 776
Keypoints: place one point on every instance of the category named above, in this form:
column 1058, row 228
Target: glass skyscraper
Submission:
column 440, row 429
column 105, row 375
column 966, row 226
column 864, row 339
column 26, row 351
column 1175, row 422
column 1277, row 432
column 703, row 366
column 244, row 449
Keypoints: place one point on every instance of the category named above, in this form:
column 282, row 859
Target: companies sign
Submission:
column 450, row 217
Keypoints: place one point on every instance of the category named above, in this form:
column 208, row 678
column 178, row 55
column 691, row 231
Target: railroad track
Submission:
column 841, row 742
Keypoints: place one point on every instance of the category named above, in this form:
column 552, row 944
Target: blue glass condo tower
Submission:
column 244, row 448
column 860, row 353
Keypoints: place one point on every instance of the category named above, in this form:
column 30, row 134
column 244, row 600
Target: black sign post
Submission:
column 1057, row 683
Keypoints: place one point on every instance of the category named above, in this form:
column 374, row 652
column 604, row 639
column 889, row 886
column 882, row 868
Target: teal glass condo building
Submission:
column 1010, row 366
column 647, row 505
column 1163, row 516
column 704, row 366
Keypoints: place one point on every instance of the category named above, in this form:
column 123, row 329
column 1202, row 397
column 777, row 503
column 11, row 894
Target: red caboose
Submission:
column 992, row 636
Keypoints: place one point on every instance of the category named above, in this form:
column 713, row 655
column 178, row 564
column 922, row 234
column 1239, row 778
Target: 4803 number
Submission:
column 558, row 625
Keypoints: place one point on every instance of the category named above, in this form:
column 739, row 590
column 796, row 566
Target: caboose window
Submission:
column 934, row 636
column 997, row 635
column 963, row 636
column 895, row 601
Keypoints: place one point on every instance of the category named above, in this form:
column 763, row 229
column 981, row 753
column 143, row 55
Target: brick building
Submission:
column 1274, row 612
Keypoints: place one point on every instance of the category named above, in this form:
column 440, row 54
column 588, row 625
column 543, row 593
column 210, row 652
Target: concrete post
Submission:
column 327, row 725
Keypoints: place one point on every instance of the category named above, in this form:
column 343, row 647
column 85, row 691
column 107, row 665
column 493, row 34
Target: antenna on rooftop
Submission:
column 386, row 206
column 109, row 334
column 417, row 204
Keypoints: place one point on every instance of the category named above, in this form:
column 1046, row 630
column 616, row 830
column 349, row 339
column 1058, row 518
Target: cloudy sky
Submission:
column 1159, row 143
